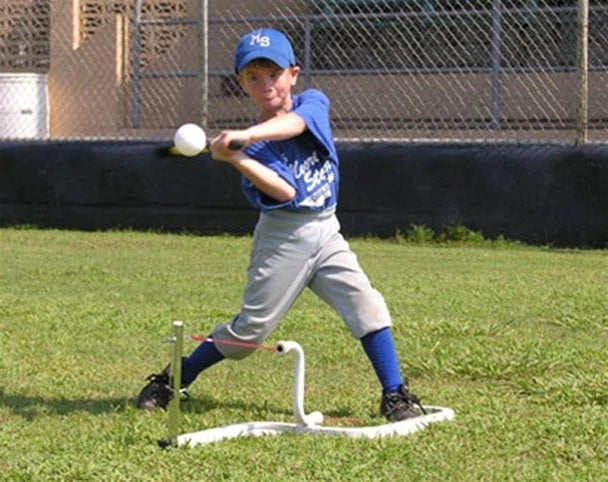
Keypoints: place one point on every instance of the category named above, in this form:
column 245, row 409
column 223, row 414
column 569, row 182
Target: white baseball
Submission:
column 190, row 140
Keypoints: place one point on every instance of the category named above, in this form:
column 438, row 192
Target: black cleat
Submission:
column 158, row 392
column 401, row 405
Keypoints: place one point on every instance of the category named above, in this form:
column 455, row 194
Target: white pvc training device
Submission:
column 306, row 423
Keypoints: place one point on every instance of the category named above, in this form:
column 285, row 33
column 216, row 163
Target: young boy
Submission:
column 290, row 174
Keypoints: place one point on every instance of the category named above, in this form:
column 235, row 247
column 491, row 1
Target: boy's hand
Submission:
column 224, row 146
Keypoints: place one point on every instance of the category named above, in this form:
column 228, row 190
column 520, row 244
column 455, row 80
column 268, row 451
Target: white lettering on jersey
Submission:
column 313, row 178
column 318, row 198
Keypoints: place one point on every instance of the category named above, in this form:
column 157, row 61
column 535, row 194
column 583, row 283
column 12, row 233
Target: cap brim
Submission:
column 281, row 61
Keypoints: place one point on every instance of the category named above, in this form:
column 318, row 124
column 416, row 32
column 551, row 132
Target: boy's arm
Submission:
column 275, row 129
column 263, row 178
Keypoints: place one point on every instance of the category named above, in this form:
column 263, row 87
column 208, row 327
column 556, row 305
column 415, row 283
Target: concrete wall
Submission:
column 532, row 193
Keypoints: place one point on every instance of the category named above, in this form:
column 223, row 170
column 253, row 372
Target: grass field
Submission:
column 513, row 338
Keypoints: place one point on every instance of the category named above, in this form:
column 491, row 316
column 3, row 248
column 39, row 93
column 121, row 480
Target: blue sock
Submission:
column 380, row 350
column 204, row 356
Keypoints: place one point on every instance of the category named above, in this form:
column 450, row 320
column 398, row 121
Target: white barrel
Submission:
column 24, row 106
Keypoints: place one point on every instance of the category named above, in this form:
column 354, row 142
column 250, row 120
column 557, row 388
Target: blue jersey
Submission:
column 308, row 162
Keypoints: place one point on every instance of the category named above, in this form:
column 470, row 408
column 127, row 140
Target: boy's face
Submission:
column 269, row 86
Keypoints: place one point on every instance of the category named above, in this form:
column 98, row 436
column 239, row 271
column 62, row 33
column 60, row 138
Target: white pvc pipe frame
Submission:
column 306, row 423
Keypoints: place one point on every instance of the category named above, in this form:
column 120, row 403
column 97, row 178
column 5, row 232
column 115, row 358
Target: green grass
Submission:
column 513, row 338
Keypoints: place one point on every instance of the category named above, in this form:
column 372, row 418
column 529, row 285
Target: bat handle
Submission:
column 236, row 145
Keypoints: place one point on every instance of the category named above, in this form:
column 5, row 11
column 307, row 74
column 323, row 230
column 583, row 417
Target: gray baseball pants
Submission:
column 292, row 251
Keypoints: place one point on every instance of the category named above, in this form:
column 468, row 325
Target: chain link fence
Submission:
column 394, row 69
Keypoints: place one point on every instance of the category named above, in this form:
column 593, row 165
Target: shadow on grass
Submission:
column 264, row 411
column 205, row 404
column 31, row 407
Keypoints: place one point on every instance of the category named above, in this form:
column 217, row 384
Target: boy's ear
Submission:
column 239, row 78
column 295, row 72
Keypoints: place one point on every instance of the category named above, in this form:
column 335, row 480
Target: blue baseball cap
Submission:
column 264, row 43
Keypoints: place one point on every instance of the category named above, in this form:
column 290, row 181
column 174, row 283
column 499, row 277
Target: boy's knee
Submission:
column 232, row 346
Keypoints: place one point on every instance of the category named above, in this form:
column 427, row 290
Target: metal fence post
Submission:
column 203, row 70
column 496, row 61
column 135, row 73
column 582, row 58
column 307, row 53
